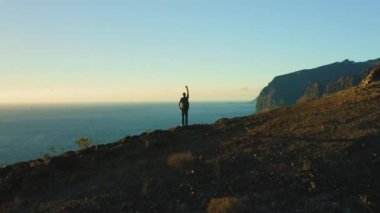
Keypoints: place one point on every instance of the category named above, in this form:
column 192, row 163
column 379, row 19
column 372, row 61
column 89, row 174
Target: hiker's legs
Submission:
column 183, row 117
column 186, row 116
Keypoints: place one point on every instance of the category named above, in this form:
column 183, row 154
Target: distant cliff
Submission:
column 313, row 83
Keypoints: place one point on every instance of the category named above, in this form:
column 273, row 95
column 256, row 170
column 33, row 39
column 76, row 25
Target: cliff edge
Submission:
column 307, row 84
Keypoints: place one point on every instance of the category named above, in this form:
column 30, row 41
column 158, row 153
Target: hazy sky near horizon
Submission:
column 148, row 50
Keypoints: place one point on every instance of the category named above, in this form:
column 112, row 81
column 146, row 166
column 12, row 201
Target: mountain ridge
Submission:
column 287, row 89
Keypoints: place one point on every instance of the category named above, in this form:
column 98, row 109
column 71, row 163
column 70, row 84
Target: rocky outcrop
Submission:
column 313, row 83
column 313, row 91
column 373, row 76
column 342, row 83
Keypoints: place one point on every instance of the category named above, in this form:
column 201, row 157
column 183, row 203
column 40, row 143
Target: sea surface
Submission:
column 26, row 132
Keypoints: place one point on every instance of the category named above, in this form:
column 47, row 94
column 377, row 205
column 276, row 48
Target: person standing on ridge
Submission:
column 184, row 106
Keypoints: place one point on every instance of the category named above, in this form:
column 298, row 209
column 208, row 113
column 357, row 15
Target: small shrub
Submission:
column 368, row 204
column 146, row 188
column 221, row 123
column 46, row 158
column 312, row 186
column 149, row 131
column 147, row 144
column 180, row 160
column 154, row 144
column 33, row 164
column 225, row 205
column 306, row 165
column 217, row 168
column 56, row 151
column 62, row 150
column 53, row 150
column 17, row 202
column 83, row 142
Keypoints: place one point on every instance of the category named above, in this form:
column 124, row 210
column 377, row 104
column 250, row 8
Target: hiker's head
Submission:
column 184, row 94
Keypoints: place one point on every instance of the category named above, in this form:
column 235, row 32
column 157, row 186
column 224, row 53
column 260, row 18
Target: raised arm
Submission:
column 187, row 89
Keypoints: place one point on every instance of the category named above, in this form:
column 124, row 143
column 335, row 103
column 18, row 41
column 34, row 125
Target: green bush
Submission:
column 56, row 151
column 83, row 142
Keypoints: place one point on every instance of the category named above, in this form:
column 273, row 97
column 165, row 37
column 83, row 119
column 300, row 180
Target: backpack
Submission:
column 184, row 104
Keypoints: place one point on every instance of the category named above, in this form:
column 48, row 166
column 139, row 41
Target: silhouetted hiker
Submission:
column 184, row 106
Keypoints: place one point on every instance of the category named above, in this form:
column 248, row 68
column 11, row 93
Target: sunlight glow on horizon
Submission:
column 133, row 96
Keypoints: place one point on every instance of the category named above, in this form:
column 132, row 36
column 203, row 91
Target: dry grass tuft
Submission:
column 180, row 160
column 306, row 166
column 225, row 205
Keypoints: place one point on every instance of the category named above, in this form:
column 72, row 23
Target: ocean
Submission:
column 26, row 132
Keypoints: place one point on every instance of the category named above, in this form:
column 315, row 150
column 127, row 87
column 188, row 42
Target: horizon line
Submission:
column 118, row 102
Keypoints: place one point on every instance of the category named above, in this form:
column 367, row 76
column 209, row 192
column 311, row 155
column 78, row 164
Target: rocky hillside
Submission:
column 373, row 76
column 320, row 155
column 307, row 84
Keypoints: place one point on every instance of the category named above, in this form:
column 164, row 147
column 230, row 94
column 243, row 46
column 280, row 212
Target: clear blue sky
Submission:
column 140, row 50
